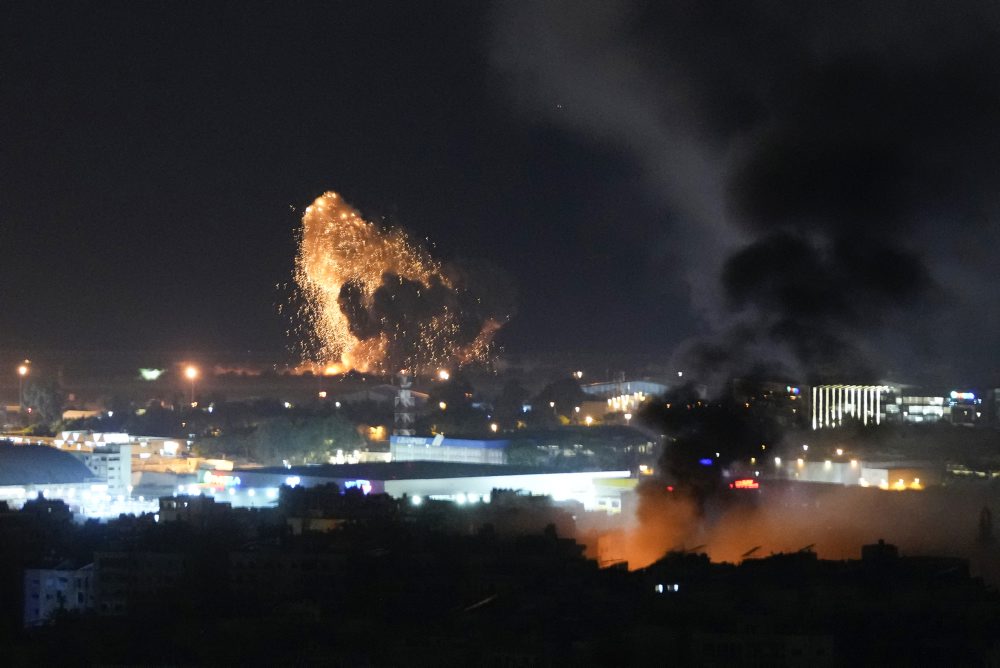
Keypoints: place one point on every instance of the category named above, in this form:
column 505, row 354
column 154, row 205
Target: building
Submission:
column 832, row 404
column 459, row 482
column 49, row 590
column 112, row 465
column 29, row 470
column 617, row 388
column 902, row 475
column 916, row 409
column 959, row 407
column 194, row 510
column 624, row 397
column 441, row 449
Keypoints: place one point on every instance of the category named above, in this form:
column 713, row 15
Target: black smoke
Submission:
column 431, row 324
column 834, row 167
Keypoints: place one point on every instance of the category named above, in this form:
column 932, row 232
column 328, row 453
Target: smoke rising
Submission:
column 837, row 521
column 828, row 175
column 830, row 167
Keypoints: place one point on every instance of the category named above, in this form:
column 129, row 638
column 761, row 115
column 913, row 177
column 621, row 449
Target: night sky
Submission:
column 807, row 188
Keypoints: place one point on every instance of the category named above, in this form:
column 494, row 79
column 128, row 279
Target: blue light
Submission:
column 705, row 462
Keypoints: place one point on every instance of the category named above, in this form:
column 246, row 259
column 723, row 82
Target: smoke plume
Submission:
column 828, row 173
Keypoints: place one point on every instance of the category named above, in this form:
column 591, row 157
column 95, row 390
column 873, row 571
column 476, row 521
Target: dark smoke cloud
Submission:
column 410, row 314
column 836, row 166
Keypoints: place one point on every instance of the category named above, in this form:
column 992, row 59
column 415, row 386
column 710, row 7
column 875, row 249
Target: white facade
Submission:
column 591, row 489
column 111, row 464
column 832, row 403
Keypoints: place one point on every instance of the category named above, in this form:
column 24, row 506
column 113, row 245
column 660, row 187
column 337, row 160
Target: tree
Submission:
column 44, row 400
column 565, row 393
column 508, row 409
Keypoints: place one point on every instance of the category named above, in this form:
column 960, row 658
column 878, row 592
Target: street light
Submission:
column 22, row 371
column 192, row 374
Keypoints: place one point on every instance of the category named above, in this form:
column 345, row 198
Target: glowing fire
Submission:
column 339, row 248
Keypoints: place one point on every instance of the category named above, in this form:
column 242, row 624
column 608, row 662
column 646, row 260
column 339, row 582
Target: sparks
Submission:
column 340, row 253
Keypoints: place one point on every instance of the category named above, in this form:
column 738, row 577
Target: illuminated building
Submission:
column 441, row 449
column 898, row 476
column 458, row 482
column 403, row 417
column 831, row 404
column 622, row 387
column 110, row 464
column 957, row 407
column 29, row 470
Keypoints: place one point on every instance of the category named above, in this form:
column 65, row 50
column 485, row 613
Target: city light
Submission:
column 22, row 371
column 150, row 374
column 443, row 374
column 191, row 373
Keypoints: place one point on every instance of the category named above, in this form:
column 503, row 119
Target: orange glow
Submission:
column 191, row 372
column 338, row 247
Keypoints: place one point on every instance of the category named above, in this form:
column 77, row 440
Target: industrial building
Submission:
column 458, row 482
column 110, row 464
column 884, row 475
column 29, row 470
column 441, row 449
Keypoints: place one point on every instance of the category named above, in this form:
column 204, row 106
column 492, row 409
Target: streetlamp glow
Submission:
column 443, row 374
column 191, row 372
column 22, row 371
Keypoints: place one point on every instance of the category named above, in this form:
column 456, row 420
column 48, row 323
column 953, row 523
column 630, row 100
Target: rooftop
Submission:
column 417, row 470
column 39, row 465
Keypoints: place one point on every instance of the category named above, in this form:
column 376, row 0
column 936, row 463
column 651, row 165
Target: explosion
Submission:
column 373, row 300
